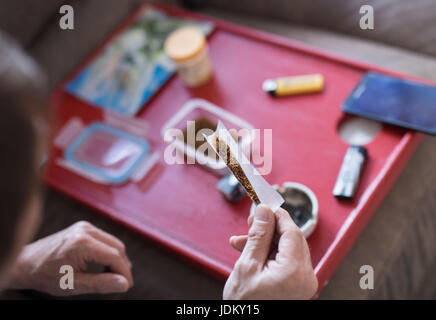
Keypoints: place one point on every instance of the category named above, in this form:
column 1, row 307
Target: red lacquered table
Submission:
column 179, row 207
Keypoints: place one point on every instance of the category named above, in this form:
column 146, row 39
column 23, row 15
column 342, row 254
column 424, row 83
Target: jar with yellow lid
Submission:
column 187, row 47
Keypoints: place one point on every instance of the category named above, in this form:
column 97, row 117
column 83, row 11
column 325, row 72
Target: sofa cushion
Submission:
column 25, row 19
column 403, row 23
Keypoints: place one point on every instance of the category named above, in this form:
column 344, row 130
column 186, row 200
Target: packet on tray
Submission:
column 259, row 190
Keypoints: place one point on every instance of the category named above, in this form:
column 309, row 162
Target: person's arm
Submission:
column 275, row 260
column 38, row 265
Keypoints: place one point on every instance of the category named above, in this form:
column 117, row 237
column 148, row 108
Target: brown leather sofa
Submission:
column 399, row 241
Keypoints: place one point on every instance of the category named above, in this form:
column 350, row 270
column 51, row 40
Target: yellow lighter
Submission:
column 294, row 85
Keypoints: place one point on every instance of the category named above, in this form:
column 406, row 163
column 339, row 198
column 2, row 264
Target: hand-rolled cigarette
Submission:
column 259, row 190
column 224, row 151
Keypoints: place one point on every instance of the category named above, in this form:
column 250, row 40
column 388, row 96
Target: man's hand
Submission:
column 38, row 265
column 275, row 261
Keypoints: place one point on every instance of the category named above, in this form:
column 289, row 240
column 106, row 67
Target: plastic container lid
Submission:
column 110, row 154
column 184, row 43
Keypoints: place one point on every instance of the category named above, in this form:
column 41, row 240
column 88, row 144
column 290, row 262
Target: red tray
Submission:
column 179, row 207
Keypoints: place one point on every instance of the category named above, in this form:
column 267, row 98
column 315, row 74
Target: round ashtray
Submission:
column 301, row 204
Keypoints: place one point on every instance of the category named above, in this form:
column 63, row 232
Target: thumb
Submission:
column 260, row 235
column 100, row 283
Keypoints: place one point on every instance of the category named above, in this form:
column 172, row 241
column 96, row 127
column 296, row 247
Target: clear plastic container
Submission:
column 204, row 112
column 108, row 153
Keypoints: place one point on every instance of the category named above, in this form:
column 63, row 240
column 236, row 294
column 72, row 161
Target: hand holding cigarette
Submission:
column 275, row 260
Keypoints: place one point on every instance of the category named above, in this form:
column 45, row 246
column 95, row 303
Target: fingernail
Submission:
column 262, row 213
column 231, row 240
column 120, row 284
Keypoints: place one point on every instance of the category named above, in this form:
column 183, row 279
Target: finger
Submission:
column 238, row 242
column 99, row 283
column 250, row 221
column 109, row 240
column 291, row 240
column 284, row 221
column 260, row 235
column 105, row 255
